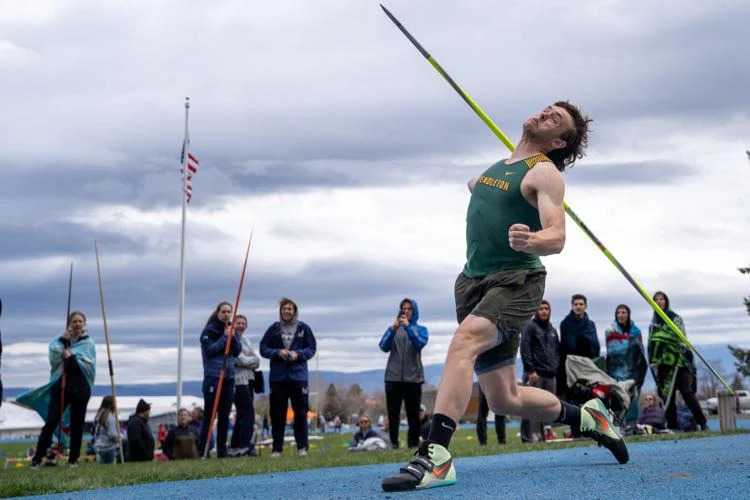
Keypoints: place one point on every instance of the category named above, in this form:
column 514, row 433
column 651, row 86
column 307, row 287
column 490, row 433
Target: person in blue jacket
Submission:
column 213, row 344
column 625, row 357
column 289, row 343
column 578, row 332
column 404, row 374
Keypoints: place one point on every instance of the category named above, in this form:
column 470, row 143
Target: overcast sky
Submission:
column 320, row 126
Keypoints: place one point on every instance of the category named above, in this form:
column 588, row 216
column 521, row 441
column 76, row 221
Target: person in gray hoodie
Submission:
column 105, row 432
column 404, row 374
column 244, row 382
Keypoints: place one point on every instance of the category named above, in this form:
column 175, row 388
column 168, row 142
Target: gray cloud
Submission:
column 291, row 98
column 632, row 173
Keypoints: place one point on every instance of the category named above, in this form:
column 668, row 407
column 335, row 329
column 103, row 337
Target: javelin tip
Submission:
column 405, row 32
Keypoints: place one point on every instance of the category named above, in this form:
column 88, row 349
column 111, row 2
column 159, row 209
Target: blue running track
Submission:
column 696, row 468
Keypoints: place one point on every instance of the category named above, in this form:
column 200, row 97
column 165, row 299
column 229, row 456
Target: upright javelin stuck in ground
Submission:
column 504, row 139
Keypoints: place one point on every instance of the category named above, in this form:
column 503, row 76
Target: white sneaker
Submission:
column 276, row 454
column 302, row 452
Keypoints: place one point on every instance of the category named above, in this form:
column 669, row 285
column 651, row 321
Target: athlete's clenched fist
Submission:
column 518, row 237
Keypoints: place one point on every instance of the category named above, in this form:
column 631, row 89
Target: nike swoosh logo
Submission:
column 509, row 173
column 441, row 471
column 600, row 418
column 446, row 426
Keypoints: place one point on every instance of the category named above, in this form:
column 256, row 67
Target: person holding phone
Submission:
column 404, row 374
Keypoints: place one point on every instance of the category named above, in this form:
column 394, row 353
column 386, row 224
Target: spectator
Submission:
column 652, row 413
column 72, row 362
column 404, row 374
column 106, row 429
column 482, row 412
column 578, row 332
column 196, row 419
column 540, row 355
column 140, row 437
column 322, row 423
column 245, row 365
column 337, row 424
column 289, row 343
column 182, row 441
column 266, row 426
column 625, row 358
column 424, row 422
column 673, row 364
column 366, row 438
column 213, row 343
column 161, row 435
column 577, row 338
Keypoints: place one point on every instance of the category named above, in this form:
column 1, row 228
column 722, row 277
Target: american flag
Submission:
column 192, row 169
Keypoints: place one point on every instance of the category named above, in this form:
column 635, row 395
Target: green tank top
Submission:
column 496, row 204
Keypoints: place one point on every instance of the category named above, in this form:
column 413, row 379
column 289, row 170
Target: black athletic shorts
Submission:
column 508, row 299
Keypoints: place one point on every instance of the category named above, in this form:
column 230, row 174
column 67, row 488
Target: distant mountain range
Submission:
column 370, row 380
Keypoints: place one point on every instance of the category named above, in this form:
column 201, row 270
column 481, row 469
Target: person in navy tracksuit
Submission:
column 213, row 343
column 289, row 344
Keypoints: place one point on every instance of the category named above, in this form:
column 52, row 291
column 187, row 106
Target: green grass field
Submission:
column 329, row 452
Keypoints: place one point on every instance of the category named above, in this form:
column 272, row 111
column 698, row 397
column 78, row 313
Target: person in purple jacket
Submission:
column 404, row 374
column 289, row 344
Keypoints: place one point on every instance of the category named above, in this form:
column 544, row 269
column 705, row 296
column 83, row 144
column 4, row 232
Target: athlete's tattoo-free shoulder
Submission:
column 544, row 179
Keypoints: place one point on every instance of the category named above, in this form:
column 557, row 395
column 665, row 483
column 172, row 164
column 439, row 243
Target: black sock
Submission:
column 569, row 414
column 441, row 429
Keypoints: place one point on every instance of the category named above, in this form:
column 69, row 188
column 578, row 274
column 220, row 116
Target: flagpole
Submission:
column 109, row 351
column 181, row 320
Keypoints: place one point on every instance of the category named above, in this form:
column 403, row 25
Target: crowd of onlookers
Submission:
column 231, row 377
column 569, row 363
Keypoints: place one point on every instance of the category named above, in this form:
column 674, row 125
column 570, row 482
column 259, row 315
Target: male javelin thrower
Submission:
column 515, row 215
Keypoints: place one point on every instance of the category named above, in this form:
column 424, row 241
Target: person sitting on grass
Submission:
column 652, row 414
column 140, row 437
column 182, row 441
column 105, row 432
column 367, row 438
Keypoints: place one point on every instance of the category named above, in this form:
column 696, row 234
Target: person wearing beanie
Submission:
column 140, row 437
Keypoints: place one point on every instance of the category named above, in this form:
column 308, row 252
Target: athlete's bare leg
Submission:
column 474, row 336
column 506, row 397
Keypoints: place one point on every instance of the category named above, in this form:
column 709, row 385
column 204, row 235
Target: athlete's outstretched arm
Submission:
column 549, row 189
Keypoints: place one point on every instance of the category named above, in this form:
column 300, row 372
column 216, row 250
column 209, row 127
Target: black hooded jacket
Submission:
column 540, row 348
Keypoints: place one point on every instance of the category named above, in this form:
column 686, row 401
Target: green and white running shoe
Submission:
column 432, row 466
column 596, row 423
